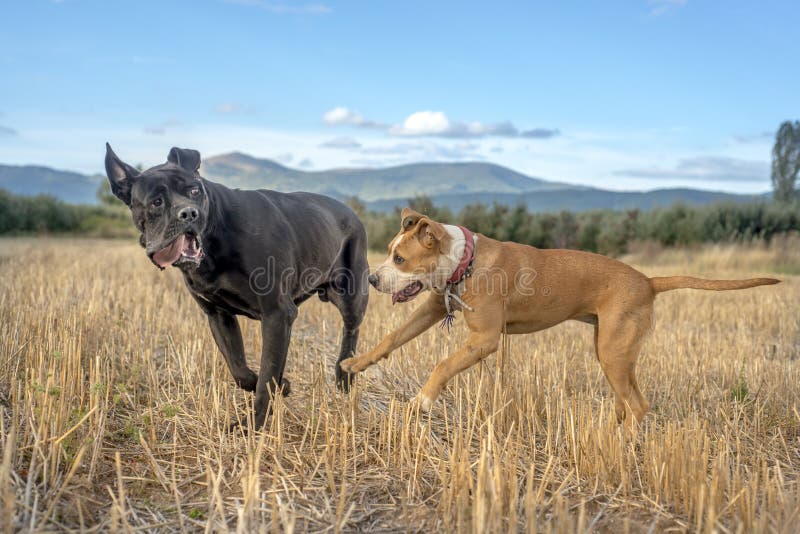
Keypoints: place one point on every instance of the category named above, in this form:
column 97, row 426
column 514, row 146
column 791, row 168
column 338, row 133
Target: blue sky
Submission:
column 635, row 94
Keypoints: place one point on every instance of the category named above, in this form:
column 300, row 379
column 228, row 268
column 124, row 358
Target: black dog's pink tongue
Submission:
column 170, row 254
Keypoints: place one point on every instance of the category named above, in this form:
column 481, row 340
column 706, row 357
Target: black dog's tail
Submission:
column 668, row 283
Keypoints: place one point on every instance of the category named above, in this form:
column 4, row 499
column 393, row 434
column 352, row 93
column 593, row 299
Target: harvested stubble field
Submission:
column 115, row 404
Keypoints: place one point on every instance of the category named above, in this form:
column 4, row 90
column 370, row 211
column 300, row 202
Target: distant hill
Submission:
column 432, row 179
column 65, row 185
column 454, row 185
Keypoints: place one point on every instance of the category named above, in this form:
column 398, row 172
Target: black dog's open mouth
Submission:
column 185, row 247
column 407, row 293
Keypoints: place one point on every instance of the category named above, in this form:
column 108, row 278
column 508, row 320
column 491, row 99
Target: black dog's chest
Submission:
column 224, row 291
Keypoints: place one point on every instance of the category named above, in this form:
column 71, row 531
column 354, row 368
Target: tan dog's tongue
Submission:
column 167, row 256
column 406, row 293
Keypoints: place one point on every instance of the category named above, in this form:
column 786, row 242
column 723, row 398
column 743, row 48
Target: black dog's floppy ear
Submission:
column 120, row 176
column 185, row 157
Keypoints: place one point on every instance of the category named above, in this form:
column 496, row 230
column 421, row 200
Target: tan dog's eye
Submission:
column 398, row 260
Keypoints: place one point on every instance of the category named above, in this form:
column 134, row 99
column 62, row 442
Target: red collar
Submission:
column 466, row 258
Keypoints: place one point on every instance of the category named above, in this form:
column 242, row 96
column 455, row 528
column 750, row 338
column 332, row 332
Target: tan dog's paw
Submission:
column 422, row 401
column 354, row 365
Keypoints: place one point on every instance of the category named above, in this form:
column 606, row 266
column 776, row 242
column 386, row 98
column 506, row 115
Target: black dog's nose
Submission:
column 373, row 280
column 188, row 214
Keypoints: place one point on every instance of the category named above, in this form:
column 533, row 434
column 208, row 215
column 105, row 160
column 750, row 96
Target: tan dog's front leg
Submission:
column 431, row 311
column 479, row 345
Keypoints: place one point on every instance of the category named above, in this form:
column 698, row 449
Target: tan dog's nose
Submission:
column 373, row 280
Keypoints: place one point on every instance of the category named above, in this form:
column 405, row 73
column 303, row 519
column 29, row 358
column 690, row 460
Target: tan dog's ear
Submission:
column 409, row 219
column 430, row 233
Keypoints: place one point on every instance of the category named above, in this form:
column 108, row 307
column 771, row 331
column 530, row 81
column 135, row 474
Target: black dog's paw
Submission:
column 242, row 425
column 344, row 380
column 286, row 387
column 256, row 420
column 247, row 383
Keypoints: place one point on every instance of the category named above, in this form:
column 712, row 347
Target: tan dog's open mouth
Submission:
column 407, row 293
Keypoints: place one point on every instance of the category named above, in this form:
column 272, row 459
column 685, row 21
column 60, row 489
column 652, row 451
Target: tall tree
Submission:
column 786, row 161
column 358, row 207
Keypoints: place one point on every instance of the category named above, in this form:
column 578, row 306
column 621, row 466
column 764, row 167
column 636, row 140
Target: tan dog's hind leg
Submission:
column 479, row 345
column 429, row 313
column 619, row 338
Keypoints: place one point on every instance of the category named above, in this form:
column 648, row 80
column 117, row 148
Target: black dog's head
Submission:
column 169, row 205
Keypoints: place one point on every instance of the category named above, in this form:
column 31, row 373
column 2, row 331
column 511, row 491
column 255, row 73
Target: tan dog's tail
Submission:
column 668, row 283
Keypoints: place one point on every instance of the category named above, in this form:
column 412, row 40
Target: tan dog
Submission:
column 516, row 289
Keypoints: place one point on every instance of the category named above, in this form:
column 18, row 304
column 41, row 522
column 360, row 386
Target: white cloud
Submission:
column 342, row 116
column 423, row 123
column 234, row 108
column 341, row 143
column 228, row 107
column 540, row 133
column 416, row 151
column 435, row 124
column 285, row 8
column 6, row 131
column 754, row 138
column 161, row 129
column 661, row 7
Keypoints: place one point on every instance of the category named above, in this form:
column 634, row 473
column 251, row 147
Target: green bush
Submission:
column 43, row 214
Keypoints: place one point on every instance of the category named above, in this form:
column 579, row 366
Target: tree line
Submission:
column 603, row 231
column 44, row 214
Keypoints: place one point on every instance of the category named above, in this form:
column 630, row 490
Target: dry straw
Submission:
column 115, row 402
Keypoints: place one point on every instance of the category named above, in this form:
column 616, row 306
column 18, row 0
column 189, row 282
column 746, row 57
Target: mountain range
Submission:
column 68, row 186
column 454, row 185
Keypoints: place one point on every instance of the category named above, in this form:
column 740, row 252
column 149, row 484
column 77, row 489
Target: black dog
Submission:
column 253, row 253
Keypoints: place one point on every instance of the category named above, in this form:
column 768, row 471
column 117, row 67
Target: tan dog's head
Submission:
column 417, row 258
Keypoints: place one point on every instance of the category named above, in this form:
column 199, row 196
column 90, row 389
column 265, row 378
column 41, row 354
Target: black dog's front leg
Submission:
column 276, row 330
column 228, row 336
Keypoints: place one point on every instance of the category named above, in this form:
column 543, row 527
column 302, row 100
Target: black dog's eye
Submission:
column 194, row 191
column 158, row 202
column 398, row 260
